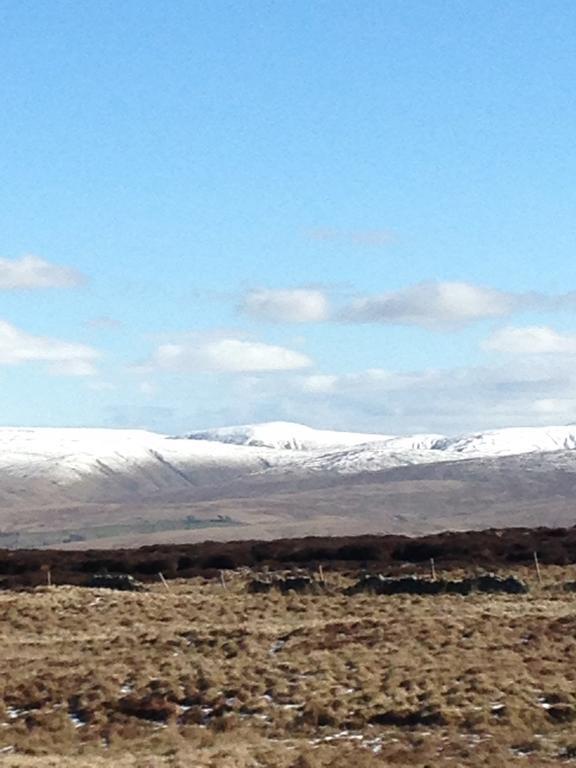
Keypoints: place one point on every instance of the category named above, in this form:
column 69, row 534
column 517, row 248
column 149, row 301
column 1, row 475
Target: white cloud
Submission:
column 300, row 305
column 320, row 383
column 441, row 305
column 553, row 408
column 434, row 305
column 65, row 358
column 73, row 368
column 538, row 391
column 531, row 340
column 227, row 355
column 34, row 272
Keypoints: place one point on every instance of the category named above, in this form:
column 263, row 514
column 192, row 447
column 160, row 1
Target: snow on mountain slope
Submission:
column 424, row 442
column 145, row 462
column 350, row 453
column 286, row 435
column 507, row 442
column 69, row 455
column 371, row 458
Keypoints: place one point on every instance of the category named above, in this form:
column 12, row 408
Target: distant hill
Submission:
column 82, row 487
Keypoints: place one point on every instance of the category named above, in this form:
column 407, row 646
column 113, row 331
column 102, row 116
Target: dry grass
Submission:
column 205, row 677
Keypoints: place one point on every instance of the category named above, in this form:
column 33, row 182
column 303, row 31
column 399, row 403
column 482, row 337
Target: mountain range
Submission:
column 80, row 487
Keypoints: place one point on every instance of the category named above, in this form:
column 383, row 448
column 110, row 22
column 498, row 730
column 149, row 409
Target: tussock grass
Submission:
column 226, row 679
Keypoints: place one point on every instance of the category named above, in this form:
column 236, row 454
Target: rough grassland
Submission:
column 203, row 676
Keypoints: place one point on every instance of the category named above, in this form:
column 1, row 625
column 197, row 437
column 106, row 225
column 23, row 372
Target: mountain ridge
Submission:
column 72, row 485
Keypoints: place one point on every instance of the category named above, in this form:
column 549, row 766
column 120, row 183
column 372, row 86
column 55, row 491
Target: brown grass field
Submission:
column 204, row 676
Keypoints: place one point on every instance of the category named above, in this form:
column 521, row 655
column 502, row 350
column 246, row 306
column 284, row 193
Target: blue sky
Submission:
column 356, row 215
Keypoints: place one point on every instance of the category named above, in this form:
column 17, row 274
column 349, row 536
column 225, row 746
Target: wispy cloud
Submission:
column 531, row 382
column 232, row 355
column 539, row 391
column 432, row 305
column 437, row 305
column 104, row 323
column 31, row 272
column 531, row 340
column 299, row 305
column 65, row 358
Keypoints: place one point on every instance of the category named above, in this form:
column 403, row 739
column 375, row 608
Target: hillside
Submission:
column 76, row 487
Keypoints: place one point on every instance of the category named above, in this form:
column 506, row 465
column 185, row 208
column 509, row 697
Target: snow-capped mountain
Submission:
column 277, row 479
column 286, row 435
column 297, row 437
column 70, row 454
column 507, row 442
column 67, row 455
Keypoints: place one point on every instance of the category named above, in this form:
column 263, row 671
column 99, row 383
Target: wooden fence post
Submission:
column 163, row 580
column 537, row 564
column 46, row 569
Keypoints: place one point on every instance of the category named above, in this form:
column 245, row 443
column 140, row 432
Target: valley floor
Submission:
column 203, row 676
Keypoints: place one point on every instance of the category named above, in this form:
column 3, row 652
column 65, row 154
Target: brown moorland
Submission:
column 202, row 673
column 473, row 550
